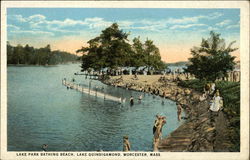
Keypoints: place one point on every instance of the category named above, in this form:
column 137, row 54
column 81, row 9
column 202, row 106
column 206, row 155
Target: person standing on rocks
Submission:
column 158, row 132
column 179, row 110
column 156, row 122
column 126, row 144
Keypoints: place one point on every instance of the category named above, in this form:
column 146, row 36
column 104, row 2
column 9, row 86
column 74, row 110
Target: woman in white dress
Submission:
column 217, row 102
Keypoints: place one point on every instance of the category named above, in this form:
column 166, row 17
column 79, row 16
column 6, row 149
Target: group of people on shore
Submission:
column 212, row 95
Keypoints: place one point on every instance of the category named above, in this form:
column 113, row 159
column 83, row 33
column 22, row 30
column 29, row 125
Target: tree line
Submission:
column 112, row 49
column 37, row 56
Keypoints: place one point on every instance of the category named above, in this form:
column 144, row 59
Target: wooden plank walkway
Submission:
column 92, row 92
column 179, row 140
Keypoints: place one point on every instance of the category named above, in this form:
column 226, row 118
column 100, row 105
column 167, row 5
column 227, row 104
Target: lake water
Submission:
column 43, row 111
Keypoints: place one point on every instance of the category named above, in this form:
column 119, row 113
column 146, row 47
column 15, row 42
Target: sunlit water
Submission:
column 43, row 111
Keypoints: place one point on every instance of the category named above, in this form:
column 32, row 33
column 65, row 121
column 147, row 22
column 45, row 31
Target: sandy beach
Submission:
column 161, row 85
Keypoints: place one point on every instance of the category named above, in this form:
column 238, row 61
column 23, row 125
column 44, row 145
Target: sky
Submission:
column 174, row 31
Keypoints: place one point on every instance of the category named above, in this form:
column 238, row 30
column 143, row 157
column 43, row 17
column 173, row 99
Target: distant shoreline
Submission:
column 37, row 65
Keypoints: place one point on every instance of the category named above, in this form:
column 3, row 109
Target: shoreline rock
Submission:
column 198, row 133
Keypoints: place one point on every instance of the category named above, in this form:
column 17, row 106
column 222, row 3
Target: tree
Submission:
column 10, row 50
column 138, row 52
column 41, row 56
column 152, row 56
column 212, row 60
column 111, row 49
column 18, row 55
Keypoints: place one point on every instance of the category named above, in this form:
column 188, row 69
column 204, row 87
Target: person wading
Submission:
column 131, row 100
column 140, row 98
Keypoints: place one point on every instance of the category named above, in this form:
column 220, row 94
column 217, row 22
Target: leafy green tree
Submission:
column 18, row 55
column 212, row 60
column 10, row 52
column 152, row 56
column 28, row 54
column 111, row 49
column 138, row 58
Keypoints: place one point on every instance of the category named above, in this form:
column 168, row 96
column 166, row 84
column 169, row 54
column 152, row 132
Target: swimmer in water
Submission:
column 131, row 100
column 140, row 98
column 44, row 147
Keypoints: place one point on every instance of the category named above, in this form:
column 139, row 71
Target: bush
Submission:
column 195, row 84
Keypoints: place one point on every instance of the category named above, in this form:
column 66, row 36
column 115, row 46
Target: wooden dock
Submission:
column 95, row 93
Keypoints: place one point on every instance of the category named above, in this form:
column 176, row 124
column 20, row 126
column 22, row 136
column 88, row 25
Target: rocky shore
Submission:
column 199, row 132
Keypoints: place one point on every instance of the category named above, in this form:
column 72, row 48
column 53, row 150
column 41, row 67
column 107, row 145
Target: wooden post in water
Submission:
column 89, row 86
column 95, row 91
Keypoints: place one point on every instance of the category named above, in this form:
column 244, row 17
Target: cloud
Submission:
column 210, row 28
column 56, row 25
column 13, row 27
column 224, row 23
column 187, row 26
column 234, row 25
column 214, row 15
column 38, row 24
column 39, row 21
column 97, row 22
column 125, row 24
column 32, row 32
column 194, row 19
column 36, row 17
column 183, row 20
column 18, row 18
column 66, row 22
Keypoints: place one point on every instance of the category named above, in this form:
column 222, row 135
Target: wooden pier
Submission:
column 91, row 92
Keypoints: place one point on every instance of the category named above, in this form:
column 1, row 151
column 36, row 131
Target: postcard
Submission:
column 125, row 80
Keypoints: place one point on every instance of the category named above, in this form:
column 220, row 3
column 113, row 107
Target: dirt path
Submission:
column 222, row 141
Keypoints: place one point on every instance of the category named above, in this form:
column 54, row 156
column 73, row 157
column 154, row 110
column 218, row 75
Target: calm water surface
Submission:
column 42, row 111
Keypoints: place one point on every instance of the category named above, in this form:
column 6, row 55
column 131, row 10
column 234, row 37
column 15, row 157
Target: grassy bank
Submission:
column 230, row 91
